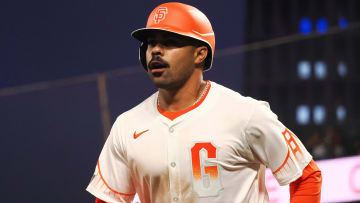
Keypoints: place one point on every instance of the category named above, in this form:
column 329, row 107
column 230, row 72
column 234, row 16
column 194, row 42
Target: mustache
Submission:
column 157, row 62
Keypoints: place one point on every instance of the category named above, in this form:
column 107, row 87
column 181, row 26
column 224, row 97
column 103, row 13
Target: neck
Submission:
column 182, row 97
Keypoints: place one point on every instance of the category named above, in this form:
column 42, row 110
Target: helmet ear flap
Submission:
column 208, row 59
column 142, row 54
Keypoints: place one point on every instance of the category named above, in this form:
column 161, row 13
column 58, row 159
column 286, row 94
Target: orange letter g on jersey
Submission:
column 206, row 181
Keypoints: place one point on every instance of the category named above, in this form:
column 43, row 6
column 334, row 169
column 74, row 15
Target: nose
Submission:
column 157, row 49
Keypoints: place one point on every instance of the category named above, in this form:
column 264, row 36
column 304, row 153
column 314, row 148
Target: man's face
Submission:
column 170, row 59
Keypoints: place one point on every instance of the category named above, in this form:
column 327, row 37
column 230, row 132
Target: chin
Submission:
column 164, row 84
column 161, row 84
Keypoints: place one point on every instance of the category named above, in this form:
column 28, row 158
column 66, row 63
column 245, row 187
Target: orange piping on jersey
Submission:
column 283, row 164
column 112, row 190
column 174, row 114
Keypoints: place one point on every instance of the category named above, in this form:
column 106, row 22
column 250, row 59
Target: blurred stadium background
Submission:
column 69, row 68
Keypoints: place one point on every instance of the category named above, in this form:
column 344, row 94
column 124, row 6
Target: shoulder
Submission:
column 233, row 100
column 140, row 112
column 144, row 108
column 132, row 120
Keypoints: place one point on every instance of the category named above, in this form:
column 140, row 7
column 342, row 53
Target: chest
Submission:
column 185, row 151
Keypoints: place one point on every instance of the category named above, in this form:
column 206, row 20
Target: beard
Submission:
column 166, row 76
column 169, row 80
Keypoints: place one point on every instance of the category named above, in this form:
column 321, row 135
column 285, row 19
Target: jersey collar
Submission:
column 172, row 115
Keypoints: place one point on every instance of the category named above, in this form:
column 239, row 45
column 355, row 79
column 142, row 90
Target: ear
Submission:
column 200, row 54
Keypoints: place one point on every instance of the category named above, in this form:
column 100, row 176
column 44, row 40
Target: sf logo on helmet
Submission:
column 160, row 14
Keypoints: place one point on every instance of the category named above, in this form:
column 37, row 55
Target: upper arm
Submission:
column 112, row 177
column 276, row 146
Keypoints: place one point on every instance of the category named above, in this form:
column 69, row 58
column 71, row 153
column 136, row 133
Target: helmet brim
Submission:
column 143, row 33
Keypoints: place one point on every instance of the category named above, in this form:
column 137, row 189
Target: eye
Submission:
column 172, row 43
column 151, row 42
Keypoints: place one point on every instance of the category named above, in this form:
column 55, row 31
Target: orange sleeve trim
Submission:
column 174, row 114
column 112, row 190
column 283, row 164
column 307, row 188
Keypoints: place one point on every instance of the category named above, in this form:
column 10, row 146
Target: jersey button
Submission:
column 173, row 164
column 175, row 199
column 171, row 130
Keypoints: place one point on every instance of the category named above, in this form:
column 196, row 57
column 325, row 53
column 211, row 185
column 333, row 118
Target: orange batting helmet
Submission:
column 181, row 19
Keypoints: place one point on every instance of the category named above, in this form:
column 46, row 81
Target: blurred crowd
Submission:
column 333, row 143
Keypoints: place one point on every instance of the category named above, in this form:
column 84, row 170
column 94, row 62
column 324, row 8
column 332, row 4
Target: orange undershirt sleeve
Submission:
column 99, row 201
column 307, row 188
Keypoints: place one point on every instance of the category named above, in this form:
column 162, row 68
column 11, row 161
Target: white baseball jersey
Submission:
column 217, row 152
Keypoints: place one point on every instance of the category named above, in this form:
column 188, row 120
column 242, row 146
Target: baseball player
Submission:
column 195, row 140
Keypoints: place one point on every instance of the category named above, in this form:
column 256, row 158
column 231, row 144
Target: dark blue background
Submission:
column 45, row 40
column 51, row 138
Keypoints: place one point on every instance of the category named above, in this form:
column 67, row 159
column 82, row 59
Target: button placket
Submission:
column 173, row 165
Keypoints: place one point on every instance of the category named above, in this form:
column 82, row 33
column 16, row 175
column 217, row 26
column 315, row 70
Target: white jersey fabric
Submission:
column 216, row 152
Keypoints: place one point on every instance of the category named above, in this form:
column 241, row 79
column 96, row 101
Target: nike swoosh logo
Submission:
column 138, row 134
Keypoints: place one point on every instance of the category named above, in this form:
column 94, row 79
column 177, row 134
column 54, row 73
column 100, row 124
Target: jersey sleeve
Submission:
column 275, row 146
column 111, row 181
